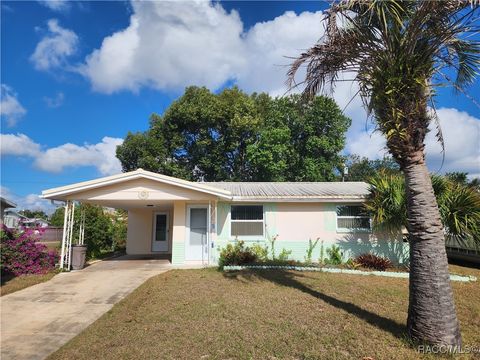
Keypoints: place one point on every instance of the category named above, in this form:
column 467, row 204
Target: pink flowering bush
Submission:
column 21, row 254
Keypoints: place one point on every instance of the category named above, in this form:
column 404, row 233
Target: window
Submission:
column 352, row 217
column 247, row 221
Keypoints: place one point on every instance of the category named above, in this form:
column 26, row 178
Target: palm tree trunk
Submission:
column 431, row 312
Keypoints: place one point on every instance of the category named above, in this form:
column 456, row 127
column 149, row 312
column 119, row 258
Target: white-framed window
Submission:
column 247, row 221
column 352, row 218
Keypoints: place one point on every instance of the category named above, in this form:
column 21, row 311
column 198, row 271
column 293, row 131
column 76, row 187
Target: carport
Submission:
column 166, row 216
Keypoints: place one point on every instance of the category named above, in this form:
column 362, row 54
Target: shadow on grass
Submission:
column 287, row 278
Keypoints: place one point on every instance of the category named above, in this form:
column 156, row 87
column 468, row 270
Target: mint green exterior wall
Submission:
column 295, row 223
column 178, row 253
column 223, row 225
column 329, row 212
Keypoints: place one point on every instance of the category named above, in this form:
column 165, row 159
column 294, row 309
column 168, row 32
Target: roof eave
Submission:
column 8, row 203
column 325, row 199
column 61, row 192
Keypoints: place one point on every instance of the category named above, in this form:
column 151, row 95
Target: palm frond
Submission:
column 386, row 202
column 398, row 49
column 459, row 206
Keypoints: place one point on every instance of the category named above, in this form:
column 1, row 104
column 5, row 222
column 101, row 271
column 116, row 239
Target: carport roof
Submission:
column 234, row 191
column 60, row 192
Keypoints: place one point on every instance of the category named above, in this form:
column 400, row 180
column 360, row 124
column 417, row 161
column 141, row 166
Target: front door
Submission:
column 197, row 242
column 160, row 232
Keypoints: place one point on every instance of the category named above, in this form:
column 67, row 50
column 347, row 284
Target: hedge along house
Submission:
column 188, row 222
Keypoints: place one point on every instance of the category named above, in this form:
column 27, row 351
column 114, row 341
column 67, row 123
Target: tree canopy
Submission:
column 362, row 168
column 232, row 136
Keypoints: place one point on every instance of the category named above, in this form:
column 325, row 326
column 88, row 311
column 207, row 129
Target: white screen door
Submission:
column 197, row 242
column 160, row 232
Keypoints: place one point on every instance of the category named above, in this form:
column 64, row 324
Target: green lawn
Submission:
column 10, row 284
column 205, row 314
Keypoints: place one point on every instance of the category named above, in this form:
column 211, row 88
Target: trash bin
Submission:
column 78, row 256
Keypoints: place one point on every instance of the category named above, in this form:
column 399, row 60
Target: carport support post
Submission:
column 212, row 210
column 81, row 231
column 64, row 235
column 68, row 220
column 70, row 233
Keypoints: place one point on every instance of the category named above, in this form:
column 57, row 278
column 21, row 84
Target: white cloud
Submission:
column 56, row 5
column 100, row 155
column 10, row 107
column 29, row 201
column 268, row 44
column 461, row 133
column 55, row 47
column 56, row 159
column 55, row 101
column 367, row 143
column 18, row 145
column 170, row 45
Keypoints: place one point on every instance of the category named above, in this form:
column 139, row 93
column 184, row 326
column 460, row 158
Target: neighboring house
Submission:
column 13, row 219
column 465, row 250
column 36, row 223
column 190, row 221
column 5, row 204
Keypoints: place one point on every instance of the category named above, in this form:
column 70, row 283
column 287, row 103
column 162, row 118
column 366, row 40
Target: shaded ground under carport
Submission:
column 38, row 320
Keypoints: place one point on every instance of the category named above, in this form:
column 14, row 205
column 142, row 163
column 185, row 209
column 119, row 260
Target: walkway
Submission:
column 38, row 320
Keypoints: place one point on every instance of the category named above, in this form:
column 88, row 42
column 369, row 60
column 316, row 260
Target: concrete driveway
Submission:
column 38, row 320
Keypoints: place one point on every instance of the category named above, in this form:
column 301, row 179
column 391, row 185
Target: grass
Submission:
column 205, row 314
column 10, row 284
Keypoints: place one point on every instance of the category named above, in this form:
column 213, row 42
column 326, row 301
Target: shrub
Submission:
column 372, row 261
column 21, row 254
column 335, row 256
column 284, row 254
column 103, row 232
column 271, row 240
column 261, row 252
column 322, row 254
column 236, row 254
column 311, row 247
column 352, row 264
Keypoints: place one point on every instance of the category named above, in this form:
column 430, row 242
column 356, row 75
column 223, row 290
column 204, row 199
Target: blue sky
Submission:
column 77, row 76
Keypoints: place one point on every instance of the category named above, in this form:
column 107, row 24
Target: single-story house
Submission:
column 12, row 219
column 5, row 204
column 189, row 222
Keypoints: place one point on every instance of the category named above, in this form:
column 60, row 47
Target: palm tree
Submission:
column 459, row 206
column 399, row 52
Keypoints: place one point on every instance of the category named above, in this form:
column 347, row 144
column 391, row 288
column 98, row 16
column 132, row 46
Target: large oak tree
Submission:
column 232, row 136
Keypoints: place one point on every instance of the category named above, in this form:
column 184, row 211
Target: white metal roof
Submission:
column 235, row 191
column 295, row 190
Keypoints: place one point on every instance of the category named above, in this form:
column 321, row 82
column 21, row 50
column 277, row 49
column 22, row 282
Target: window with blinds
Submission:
column 247, row 221
column 352, row 218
